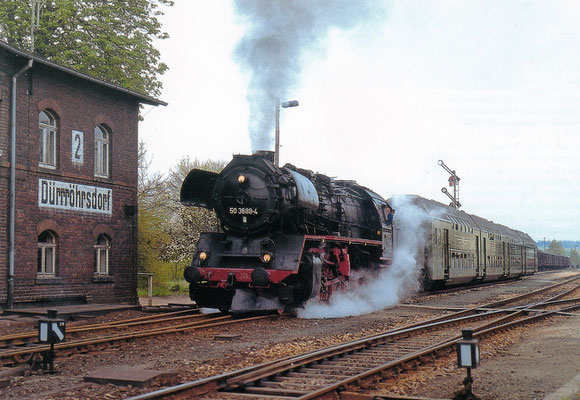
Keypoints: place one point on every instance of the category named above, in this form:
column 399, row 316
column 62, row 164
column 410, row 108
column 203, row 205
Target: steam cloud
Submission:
column 272, row 51
column 392, row 284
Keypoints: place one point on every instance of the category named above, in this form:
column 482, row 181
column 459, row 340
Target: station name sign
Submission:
column 74, row 197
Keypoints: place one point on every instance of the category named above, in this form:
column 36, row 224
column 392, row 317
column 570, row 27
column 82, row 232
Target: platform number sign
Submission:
column 77, row 155
column 51, row 331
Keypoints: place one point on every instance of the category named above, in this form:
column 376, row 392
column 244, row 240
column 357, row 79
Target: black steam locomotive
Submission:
column 286, row 234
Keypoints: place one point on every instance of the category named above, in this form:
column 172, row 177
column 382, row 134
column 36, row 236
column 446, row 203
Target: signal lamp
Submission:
column 468, row 357
column 467, row 350
column 202, row 255
column 241, row 179
column 266, row 258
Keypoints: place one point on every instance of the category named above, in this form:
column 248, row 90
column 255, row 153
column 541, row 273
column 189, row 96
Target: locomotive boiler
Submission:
column 286, row 234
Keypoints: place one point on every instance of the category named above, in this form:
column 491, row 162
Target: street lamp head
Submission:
column 287, row 104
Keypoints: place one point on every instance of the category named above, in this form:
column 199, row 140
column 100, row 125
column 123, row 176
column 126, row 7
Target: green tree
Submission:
column 188, row 222
column 167, row 230
column 109, row 40
column 556, row 248
column 152, row 236
column 574, row 257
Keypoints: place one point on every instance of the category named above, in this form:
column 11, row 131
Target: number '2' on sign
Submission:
column 77, row 155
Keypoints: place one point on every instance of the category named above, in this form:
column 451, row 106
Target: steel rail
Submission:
column 361, row 345
column 530, row 294
column 490, row 328
column 237, row 380
column 17, row 355
column 380, row 370
column 32, row 336
column 243, row 377
column 205, row 385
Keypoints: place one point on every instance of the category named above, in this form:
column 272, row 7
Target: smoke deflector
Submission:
column 197, row 188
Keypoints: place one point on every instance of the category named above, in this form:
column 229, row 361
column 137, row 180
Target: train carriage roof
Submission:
column 441, row 211
column 462, row 218
column 528, row 241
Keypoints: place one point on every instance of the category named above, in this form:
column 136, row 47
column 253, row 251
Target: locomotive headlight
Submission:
column 203, row 256
column 266, row 258
column 241, row 179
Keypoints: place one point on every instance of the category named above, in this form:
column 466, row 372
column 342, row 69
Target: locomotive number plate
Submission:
column 244, row 210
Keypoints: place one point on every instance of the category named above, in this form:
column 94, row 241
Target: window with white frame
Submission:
column 48, row 139
column 102, row 151
column 46, row 254
column 102, row 257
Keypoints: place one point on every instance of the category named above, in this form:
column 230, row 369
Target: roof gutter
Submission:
column 10, row 294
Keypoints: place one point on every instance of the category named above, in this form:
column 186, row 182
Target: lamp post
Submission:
column 467, row 357
column 285, row 104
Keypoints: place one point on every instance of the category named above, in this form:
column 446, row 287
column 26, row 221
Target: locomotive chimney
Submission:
column 265, row 154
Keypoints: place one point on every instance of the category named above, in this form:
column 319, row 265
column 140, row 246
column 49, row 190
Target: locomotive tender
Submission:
column 286, row 234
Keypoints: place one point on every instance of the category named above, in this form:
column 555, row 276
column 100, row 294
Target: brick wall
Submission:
column 80, row 105
column 5, row 79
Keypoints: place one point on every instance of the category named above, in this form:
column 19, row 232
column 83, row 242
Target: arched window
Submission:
column 102, row 151
column 46, row 254
column 102, row 257
column 48, row 139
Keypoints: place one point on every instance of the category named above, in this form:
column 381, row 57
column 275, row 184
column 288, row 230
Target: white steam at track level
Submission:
column 279, row 34
column 392, row 284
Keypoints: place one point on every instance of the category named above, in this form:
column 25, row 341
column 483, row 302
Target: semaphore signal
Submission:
column 453, row 181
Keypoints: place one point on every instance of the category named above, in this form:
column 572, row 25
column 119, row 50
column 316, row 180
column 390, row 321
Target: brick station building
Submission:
column 74, row 191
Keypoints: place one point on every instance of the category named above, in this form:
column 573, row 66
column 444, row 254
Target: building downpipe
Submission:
column 10, row 294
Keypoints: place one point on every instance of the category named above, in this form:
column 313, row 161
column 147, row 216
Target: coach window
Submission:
column 102, row 151
column 48, row 139
column 46, row 254
column 102, row 257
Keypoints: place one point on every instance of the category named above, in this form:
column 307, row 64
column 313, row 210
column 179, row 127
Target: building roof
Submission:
column 141, row 97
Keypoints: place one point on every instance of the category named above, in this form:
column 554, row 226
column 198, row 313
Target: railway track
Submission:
column 353, row 367
column 20, row 348
column 24, row 338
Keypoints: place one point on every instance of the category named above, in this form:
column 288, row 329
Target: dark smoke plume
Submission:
column 280, row 33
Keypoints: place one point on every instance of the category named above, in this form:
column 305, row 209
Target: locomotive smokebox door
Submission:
column 51, row 329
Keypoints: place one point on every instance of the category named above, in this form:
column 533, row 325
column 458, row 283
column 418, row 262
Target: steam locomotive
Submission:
column 286, row 235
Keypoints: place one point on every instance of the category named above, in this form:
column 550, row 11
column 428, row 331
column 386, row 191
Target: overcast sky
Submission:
column 490, row 87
